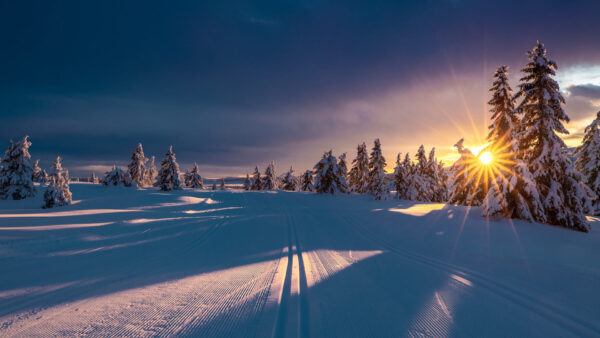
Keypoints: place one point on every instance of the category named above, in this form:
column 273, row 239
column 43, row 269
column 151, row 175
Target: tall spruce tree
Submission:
column 193, row 178
column 57, row 193
column 137, row 166
column 463, row 184
column 168, row 175
column 512, row 192
column 289, row 181
column 256, row 180
column 588, row 160
column 269, row 181
column 376, row 178
column 327, row 179
column 343, row 173
column 306, row 181
column 565, row 196
column 16, row 171
column 358, row 179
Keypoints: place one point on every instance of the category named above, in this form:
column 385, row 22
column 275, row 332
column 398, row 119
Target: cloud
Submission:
column 590, row 91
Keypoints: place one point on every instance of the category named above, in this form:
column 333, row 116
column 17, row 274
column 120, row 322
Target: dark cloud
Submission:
column 588, row 90
column 233, row 83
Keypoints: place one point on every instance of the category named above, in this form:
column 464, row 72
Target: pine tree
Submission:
column 588, row 160
column 57, row 193
column 306, row 183
column 150, row 173
column 376, row 179
column 116, row 177
column 423, row 180
column 256, row 181
column 327, row 180
column 360, row 169
column 269, row 179
column 247, row 182
column 168, row 175
column 289, row 181
column 222, row 184
column 137, row 166
column 565, row 196
column 435, row 177
column 464, row 188
column 512, row 192
column 402, row 174
column 38, row 175
column 193, row 178
column 342, row 173
column 16, row 171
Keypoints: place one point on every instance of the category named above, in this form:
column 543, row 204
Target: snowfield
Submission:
column 139, row 262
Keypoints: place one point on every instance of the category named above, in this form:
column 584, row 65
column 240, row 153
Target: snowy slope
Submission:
column 125, row 261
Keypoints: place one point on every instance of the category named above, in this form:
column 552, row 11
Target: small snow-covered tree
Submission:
column 269, row 181
column 376, row 185
column 57, row 193
column 168, row 175
column 565, row 196
column 306, row 181
column 137, row 166
column 38, row 174
column 289, row 181
column 93, row 178
column 342, row 172
column 463, row 186
column 247, row 182
column 193, row 178
column 16, row 171
column 150, row 173
column 588, row 160
column 358, row 179
column 222, row 184
column 256, row 180
column 116, row 177
column 327, row 180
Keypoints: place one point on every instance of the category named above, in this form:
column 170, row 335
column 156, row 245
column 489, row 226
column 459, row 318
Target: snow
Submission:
column 133, row 261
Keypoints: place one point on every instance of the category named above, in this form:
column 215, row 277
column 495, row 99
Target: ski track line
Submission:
column 9, row 320
column 537, row 306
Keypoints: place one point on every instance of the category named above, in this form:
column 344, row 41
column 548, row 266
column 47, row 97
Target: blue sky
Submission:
column 233, row 84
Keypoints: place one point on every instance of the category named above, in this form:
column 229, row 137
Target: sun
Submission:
column 486, row 157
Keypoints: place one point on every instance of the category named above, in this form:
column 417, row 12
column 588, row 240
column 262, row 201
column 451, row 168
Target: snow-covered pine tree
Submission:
column 376, row 179
column 442, row 192
column 214, row 186
column 512, row 192
column 342, row 173
column 306, row 181
column 588, row 160
column 193, row 178
column 45, row 177
column 93, row 178
column 435, row 178
column 222, row 184
column 289, row 181
column 565, row 196
column 247, row 182
column 137, row 166
column 256, row 180
column 37, row 175
column 168, row 175
column 400, row 178
column 16, row 171
column 269, row 181
column 463, row 186
column 116, row 177
column 57, row 193
column 406, row 170
column 150, row 173
column 327, row 179
column 360, row 169
column 425, row 183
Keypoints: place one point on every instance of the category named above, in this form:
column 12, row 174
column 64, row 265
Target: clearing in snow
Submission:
column 139, row 262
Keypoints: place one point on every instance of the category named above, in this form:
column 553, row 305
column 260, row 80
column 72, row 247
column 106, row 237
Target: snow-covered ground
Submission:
column 122, row 261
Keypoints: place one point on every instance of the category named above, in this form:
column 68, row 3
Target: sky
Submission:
column 235, row 84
